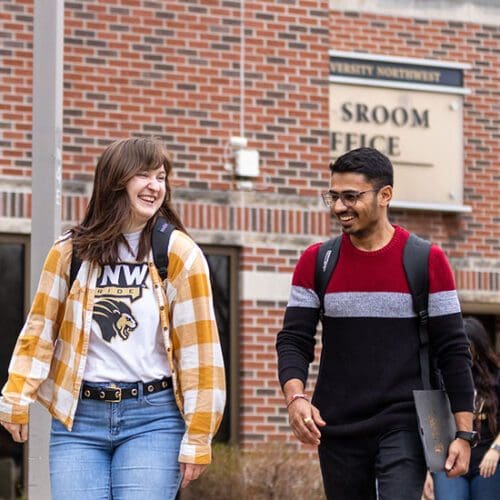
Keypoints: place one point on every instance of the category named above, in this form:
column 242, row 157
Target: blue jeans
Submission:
column 389, row 466
column 468, row 487
column 121, row 451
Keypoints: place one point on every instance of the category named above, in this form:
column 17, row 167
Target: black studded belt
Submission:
column 113, row 394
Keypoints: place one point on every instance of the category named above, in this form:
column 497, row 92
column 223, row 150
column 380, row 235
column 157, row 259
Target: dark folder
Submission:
column 436, row 425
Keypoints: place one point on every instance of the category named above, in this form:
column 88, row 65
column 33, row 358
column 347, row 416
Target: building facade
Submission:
column 197, row 74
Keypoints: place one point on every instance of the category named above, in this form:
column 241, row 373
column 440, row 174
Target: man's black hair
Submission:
column 374, row 165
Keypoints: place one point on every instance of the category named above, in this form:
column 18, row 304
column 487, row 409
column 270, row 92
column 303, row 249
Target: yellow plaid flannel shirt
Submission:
column 49, row 358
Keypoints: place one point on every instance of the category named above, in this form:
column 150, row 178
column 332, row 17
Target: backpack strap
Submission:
column 74, row 268
column 160, row 238
column 416, row 266
column 326, row 261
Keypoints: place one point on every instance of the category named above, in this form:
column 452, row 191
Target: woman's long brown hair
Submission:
column 97, row 237
column 485, row 365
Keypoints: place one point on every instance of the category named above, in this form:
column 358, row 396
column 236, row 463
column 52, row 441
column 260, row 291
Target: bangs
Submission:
column 155, row 156
column 143, row 154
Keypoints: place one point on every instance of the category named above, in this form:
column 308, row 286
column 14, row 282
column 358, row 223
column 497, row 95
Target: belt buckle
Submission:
column 117, row 392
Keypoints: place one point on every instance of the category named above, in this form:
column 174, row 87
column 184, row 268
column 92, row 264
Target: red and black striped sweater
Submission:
column 369, row 359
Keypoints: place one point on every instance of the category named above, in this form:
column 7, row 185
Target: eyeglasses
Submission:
column 348, row 198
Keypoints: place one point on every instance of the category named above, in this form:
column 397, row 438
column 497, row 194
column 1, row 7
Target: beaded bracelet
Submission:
column 297, row 396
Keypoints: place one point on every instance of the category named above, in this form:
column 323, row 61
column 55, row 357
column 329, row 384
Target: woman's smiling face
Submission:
column 146, row 192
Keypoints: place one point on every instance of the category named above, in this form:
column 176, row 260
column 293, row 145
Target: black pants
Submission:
column 355, row 468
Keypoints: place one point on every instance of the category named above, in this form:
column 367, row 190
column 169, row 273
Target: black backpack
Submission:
column 416, row 266
column 160, row 238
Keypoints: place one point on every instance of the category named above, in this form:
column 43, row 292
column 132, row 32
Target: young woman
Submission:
column 129, row 367
column 483, row 479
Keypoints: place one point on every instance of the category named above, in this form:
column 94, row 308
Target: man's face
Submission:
column 363, row 207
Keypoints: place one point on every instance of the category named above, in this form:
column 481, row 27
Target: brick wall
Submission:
column 172, row 69
column 15, row 88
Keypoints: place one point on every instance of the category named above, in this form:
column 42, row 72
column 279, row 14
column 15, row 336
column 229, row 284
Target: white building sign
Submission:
column 411, row 112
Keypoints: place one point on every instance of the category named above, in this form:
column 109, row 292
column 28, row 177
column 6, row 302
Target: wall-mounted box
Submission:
column 246, row 163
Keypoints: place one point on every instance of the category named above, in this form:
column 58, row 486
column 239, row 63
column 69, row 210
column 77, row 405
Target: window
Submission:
column 223, row 263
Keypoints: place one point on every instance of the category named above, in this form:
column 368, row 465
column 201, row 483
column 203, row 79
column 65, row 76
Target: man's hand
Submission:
column 19, row 432
column 190, row 472
column 458, row 459
column 305, row 419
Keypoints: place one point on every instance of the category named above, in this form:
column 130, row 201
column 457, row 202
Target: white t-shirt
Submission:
column 126, row 342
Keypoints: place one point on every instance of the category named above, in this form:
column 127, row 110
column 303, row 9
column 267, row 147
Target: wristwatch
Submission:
column 495, row 447
column 471, row 437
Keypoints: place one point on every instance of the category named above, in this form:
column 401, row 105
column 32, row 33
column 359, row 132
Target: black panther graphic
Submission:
column 114, row 318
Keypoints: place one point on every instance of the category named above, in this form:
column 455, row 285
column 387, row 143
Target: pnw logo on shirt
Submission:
column 117, row 286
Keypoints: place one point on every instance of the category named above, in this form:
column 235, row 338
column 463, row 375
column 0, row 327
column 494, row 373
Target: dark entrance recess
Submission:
column 14, row 253
column 224, row 279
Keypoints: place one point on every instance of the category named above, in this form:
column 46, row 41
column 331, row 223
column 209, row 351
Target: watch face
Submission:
column 474, row 440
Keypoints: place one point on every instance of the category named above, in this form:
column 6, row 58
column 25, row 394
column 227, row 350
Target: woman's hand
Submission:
column 190, row 472
column 19, row 432
column 428, row 493
column 489, row 463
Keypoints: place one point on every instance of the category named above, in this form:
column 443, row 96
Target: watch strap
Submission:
column 470, row 437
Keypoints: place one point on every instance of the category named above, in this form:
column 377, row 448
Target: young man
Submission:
column 362, row 414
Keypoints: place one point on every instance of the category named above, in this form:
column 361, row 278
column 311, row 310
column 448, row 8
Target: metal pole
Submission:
column 46, row 195
column 242, row 68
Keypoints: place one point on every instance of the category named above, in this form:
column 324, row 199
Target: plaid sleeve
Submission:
column 197, row 355
column 34, row 349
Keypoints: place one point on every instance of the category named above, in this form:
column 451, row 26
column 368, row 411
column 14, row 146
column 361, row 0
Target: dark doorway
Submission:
column 13, row 270
column 223, row 276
